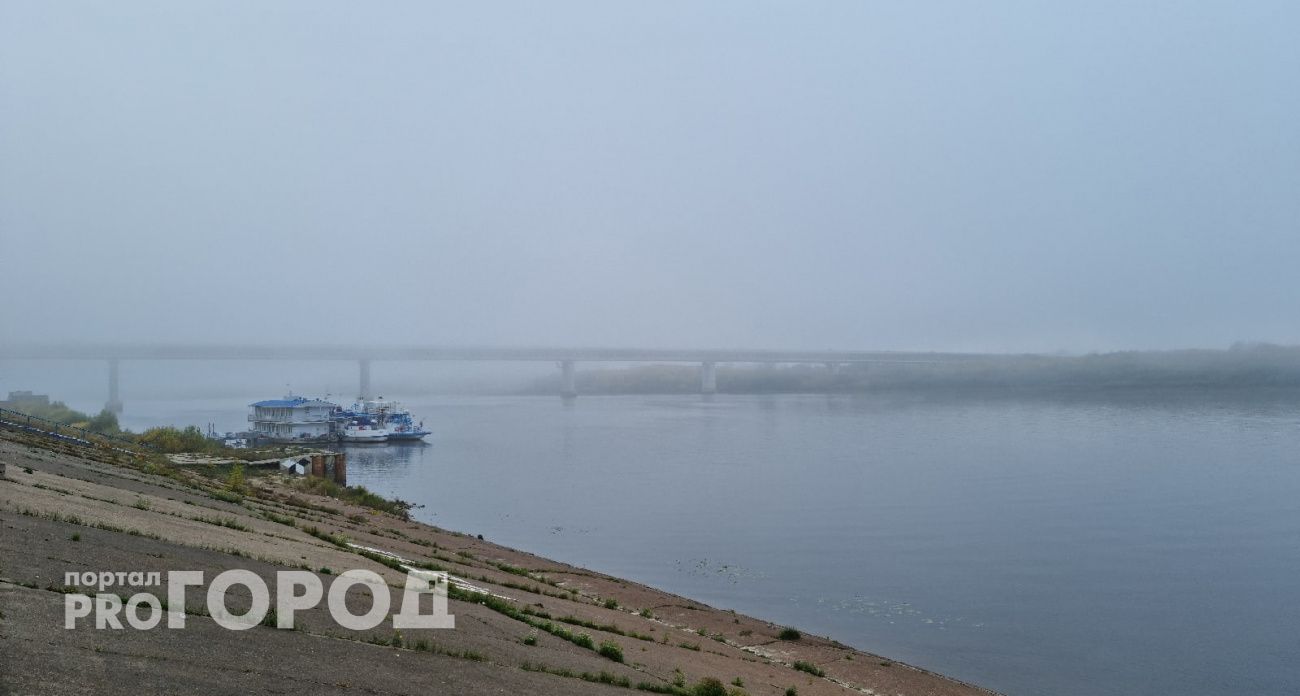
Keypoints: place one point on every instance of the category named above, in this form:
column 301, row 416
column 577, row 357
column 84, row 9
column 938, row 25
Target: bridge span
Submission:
column 364, row 355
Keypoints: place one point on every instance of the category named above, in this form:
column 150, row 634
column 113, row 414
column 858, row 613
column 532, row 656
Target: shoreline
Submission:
column 143, row 513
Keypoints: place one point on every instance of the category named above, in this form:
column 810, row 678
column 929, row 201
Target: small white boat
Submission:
column 357, row 431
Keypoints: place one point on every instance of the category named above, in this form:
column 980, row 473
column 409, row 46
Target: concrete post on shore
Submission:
column 114, row 404
column 364, row 365
column 318, row 465
column 709, row 377
column 568, row 381
column 341, row 469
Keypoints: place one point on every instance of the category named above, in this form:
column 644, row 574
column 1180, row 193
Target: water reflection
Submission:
column 387, row 460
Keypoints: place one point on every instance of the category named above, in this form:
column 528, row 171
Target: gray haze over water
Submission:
column 951, row 176
column 947, row 175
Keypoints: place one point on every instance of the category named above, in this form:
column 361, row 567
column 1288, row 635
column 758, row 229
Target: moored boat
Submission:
column 397, row 421
column 363, row 429
column 403, row 428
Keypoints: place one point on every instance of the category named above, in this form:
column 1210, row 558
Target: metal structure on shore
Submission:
column 17, row 420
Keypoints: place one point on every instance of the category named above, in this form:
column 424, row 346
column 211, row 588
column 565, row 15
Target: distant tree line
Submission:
column 167, row 439
column 1241, row 366
column 104, row 422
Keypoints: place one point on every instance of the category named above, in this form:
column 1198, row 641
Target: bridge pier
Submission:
column 364, row 391
column 568, row 380
column 709, row 377
column 114, row 404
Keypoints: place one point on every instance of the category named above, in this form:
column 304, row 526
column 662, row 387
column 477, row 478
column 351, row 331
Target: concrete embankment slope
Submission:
column 67, row 509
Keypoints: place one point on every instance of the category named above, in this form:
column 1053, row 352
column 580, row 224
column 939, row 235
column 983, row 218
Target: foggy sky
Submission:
column 855, row 175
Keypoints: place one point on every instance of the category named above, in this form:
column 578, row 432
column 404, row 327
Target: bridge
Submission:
column 363, row 355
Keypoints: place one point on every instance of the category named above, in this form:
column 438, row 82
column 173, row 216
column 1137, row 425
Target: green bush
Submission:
column 607, row 678
column 789, row 634
column 809, row 668
column 709, row 686
column 611, row 650
column 105, row 423
column 279, row 519
column 357, row 495
column 227, row 496
column 336, row 539
column 235, row 479
column 171, row 440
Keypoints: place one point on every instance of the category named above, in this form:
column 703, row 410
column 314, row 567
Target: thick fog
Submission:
column 999, row 176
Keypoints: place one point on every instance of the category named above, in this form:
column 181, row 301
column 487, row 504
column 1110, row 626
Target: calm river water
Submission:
column 1081, row 546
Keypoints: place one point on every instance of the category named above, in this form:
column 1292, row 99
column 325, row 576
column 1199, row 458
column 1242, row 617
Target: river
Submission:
column 1087, row 545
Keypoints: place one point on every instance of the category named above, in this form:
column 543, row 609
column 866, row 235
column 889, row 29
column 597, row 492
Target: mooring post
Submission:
column 341, row 469
column 568, row 381
column 709, row 377
column 114, row 404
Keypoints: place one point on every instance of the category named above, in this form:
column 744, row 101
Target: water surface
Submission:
column 1149, row 544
